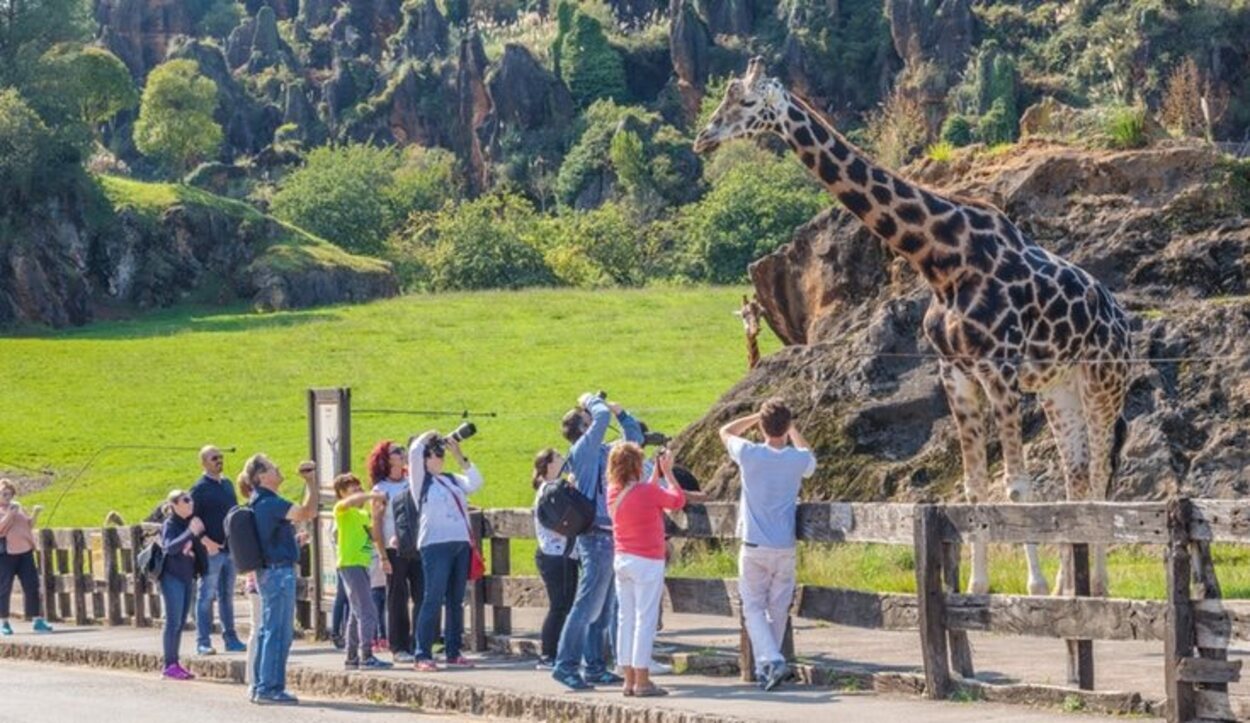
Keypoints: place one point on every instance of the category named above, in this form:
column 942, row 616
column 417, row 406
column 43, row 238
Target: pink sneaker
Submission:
column 460, row 662
column 177, row 672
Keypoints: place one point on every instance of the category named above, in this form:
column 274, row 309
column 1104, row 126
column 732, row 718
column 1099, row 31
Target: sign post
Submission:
column 329, row 438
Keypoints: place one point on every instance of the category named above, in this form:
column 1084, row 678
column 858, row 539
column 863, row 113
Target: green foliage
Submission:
column 175, row 122
column 855, row 40
column 601, row 247
column 357, row 195
column 957, row 130
column 996, row 126
column 486, row 243
column 24, row 144
column 87, row 85
column 750, row 211
column 564, row 23
column 591, row 67
column 29, row 28
column 629, row 159
column 457, row 11
column 220, row 17
column 941, row 152
column 1126, row 127
column 590, row 155
column 899, row 131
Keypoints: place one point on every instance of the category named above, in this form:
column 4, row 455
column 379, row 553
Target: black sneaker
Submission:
column 573, row 682
column 351, row 664
column 372, row 663
column 607, row 677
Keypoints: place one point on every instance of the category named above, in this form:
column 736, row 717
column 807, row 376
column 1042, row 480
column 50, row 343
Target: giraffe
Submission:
column 750, row 314
column 1007, row 317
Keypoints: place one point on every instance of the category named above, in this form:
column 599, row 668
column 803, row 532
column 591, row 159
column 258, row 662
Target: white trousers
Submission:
column 639, row 588
column 766, row 584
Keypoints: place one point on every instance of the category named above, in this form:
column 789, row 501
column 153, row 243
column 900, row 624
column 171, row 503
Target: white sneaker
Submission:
column 658, row 668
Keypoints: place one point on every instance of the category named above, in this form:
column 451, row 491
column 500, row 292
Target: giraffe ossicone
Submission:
column 1007, row 316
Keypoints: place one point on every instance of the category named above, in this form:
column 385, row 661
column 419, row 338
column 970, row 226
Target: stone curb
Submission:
column 426, row 695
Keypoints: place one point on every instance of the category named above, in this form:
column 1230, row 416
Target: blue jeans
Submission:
column 277, row 628
column 446, row 569
column 216, row 584
column 338, row 614
column 379, row 602
column 176, row 595
column 585, row 629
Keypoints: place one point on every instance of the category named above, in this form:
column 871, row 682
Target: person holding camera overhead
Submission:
column 443, row 539
column 582, row 640
column 638, row 530
column 772, row 474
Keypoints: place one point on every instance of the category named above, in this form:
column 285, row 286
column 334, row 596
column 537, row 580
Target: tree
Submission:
column 89, row 85
column 175, row 122
column 24, row 143
column 28, row 28
column 592, row 68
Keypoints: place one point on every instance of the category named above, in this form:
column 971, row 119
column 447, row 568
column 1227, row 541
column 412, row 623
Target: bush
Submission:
column 24, row 140
column 591, row 67
column 750, row 211
column 995, row 126
column 590, row 155
column 486, row 243
column 957, row 130
column 86, row 85
column 603, row 247
column 175, row 122
column 1126, row 127
column 941, row 152
column 898, row 131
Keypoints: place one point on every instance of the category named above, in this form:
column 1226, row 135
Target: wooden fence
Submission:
column 88, row 576
column 1194, row 624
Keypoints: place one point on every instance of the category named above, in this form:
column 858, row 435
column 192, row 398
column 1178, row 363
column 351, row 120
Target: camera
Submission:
column 653, row 439
column 463, row 432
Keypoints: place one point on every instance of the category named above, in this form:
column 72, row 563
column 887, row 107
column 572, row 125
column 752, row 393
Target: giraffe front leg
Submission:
column 1103, row 389
column 1005, row 397
column 964, row 397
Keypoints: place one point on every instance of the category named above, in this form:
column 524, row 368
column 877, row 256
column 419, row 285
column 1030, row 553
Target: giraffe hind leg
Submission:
column 965, row 399
column 1103, row 389
column 1065, row 415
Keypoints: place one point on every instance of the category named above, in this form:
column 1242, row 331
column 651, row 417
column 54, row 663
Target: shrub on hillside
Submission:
column 750, row 211
column 24, row 144
column 357, row 195
column 591, row 67
column 487, row 243
column 175, row 122
column 602, row 247
column 898, row 132
column 957, row 130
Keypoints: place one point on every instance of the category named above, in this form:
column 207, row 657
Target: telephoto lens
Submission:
column 463, row 432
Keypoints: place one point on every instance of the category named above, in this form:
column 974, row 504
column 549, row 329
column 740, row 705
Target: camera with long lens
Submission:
column 463, row 432
column 653, row 439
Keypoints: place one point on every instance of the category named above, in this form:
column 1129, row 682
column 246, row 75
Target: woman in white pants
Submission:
column 637, row 510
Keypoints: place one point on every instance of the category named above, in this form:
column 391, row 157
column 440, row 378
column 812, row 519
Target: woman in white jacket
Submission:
column 444, row 541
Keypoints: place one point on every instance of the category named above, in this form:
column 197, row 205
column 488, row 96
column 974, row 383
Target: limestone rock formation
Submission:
column 689, row 44
column 423, row 34
column 933, row 32
column 248, row 124
column 727, row 17
column 526, row 95
column 1162, row 227
column 474, row 107
column 140, row 31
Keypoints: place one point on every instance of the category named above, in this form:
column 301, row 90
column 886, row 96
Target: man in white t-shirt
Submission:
column 772, row 474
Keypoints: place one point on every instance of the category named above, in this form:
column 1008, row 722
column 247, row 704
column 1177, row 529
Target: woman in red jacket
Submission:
column 637, row 510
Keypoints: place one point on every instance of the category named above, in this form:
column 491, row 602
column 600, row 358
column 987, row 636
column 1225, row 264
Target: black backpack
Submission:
column 408, row 521
column 562, row 508
column 243, row 539
column 151, row 561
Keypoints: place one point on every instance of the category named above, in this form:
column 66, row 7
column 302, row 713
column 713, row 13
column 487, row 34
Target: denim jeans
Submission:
column 277, row 628
column 340, row 611
column 585, row 630
column 217, row 584
column 176, row 595
column 445, row 566
column 362, row 621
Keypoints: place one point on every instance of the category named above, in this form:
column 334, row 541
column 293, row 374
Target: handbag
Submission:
column 477, row 565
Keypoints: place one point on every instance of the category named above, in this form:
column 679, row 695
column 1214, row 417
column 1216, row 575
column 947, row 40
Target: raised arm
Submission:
column 738, row 427
column 629, row 426
column 306, row 510
column 674, row 497
column 357, row 499
column 471, row 481
column 416, row 462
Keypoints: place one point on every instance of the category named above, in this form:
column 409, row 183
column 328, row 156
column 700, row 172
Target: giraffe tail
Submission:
column 1117, row 444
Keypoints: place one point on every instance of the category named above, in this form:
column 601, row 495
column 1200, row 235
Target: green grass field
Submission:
column 187, row 377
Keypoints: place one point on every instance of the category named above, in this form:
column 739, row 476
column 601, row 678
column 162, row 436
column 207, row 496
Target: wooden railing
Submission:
column 88, row 576
column 1195, row 625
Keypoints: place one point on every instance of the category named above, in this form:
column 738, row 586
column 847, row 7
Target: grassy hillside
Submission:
column 187, row 377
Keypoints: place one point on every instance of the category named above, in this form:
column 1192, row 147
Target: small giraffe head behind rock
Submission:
column 752, row 105
column 750, row 314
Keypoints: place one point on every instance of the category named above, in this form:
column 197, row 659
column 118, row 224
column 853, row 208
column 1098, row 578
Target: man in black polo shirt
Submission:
column 214, row 496
column 275, row 518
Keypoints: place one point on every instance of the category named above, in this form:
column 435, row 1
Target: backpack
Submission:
column 408, row 521
column 151, row 561
column 243, row 539
column 562, row 508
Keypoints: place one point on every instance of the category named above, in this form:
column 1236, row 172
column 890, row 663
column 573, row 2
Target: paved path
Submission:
column 694, row 694
column 56, row 694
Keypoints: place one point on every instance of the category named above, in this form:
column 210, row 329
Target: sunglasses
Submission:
column 215, row 458
column 184, row 498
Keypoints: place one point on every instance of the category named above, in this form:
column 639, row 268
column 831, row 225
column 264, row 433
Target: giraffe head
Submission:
column 750, row 314
column 752, row 105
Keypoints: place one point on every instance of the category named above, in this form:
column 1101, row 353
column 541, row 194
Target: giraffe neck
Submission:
column 913, row 222
column 753, row 352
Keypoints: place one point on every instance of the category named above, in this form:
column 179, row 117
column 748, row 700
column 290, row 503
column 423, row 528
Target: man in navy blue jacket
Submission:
column 214, row 496
column 585, row 629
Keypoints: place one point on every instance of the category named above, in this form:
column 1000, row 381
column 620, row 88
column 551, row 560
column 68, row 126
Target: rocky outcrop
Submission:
column 412, row 109
column 1161, row 227
column 727, row 17
column 933, row 32
column 689, row 43
column 474, row 106
column 423, row 34
column 140, row 31
column 525, row 95
column 268, row 49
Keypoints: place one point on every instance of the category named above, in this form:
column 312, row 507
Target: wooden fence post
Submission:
column 477, row 593
column 1084, row 649
column 78, row 579
column 960, row 650
column 929, row 590
column 113, row 582
column 47, row 570
column 501, row 566
column 137, row 578
column 1179, row 638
